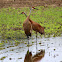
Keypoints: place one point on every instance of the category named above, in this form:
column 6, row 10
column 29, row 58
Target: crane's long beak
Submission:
column 36, row 8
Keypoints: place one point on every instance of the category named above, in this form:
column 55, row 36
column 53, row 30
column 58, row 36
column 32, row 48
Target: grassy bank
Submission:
column 11, row 23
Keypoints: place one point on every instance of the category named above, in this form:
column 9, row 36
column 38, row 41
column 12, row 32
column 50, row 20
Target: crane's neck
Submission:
column 25, row 14
column 30, row 11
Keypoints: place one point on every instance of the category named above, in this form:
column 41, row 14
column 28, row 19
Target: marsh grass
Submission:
column 10, row 18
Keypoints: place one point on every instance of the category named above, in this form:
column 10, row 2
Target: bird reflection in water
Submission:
column 37, row 57
column 28, row 57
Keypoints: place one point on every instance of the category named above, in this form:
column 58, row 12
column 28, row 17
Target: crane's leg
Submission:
column 36, row 42
column 28, row 42
column 44, row 34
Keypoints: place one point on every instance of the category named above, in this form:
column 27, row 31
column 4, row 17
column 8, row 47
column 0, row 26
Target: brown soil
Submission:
column 29, row 3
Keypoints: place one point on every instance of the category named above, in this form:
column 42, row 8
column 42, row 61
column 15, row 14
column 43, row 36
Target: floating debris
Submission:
column 32, row 42
column 20, row 47
column 54, row 49
column 1, row 48
column 20, row 58
column 10, row 58
column 3, row 41
column 10, row 46
column 39, row 43
column 28, row 45
column 12, row 50
column 25, row 43
column 3, row 58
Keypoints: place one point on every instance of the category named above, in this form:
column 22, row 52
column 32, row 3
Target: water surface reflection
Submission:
column 52, row 47
column 37, row 57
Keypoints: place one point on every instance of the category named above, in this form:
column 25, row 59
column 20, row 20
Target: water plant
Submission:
column 50, row 18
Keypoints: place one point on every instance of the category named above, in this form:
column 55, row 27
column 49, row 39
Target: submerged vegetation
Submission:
column 11, row 22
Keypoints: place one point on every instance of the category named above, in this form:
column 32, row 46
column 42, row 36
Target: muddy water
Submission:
column 52, row 46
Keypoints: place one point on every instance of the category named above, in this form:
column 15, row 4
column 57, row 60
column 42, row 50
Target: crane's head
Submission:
column 24, row 13
column 31, row 9
column 34, row 8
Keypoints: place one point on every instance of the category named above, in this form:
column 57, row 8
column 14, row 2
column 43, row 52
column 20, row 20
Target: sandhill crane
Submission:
column 37, row 57
column 36, row 27
column 27, row 25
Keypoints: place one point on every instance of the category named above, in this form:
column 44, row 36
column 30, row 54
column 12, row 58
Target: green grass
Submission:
column 49, row 17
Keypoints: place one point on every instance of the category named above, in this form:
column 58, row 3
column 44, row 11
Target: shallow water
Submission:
column 52, row 46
